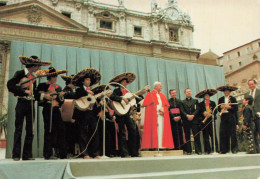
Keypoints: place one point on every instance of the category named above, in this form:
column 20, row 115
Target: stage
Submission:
column 194, row 166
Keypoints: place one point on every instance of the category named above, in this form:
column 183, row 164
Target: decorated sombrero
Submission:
column 128, row 75
column 98, row 89
column 202, row 93
column 91, row 73
column 33, row 60
column 67, row 78
column 226, row 87
column 51, row 71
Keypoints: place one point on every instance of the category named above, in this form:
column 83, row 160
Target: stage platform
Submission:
column 230, row 166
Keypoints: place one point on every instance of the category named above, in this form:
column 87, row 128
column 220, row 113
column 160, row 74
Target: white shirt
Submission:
column 252, row 94
column 226, row 99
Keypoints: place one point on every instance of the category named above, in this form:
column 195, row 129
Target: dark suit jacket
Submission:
column 70, row 94
column 116, row 95
column 43, row 87
column 190, row 107
column 202, row 109
column 234, row 108
column 256, row 105
column 18, row 90
column 249, row 116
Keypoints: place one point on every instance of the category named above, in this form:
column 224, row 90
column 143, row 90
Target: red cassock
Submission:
column 150, row 137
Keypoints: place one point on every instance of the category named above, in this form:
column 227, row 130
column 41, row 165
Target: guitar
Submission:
column 25, row 81
column 86, row 102
column 121, row 108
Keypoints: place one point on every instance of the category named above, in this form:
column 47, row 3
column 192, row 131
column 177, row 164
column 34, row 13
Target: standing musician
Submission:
column 206, row 108
column 176, row 122
column 54, row 131
column 87, row 119
column 24, row 106
column 122, row 120
column 71, row 129
column 229, row 120
column 189, row 110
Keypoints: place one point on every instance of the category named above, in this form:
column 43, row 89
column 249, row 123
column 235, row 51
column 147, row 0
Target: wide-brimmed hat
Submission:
column 100, row 88
column 128, row 75
column 209, row 91
column 51, row 71
column 67, row 78
column 91, row 73
column 33, row 60
column 227, row 87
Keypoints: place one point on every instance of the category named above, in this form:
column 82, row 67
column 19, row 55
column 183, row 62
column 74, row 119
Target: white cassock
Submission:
column 160, row 121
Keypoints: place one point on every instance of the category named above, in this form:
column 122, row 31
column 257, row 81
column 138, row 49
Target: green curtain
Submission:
column 171, row 74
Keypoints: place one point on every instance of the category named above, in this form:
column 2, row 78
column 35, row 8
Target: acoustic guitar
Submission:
column 121, row 108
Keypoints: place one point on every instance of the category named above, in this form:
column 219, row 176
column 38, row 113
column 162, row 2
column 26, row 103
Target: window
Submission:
column 138, row 31
column 173, row 35
column 106, row 24
column 67, row 14
column 230, row 67
column 229, row 57
column 258, row 44
column 238, row 54
column 240, row 64
column 2, row 3
column 248, row 49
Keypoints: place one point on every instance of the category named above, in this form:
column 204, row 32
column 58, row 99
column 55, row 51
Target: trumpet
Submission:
column 208, row 111
column 224, row 107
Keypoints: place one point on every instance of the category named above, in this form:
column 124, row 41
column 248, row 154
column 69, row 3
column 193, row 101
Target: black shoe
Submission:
column 51, row 158
column 16, row 159
column 223, row 152
column 188, row 153
column 28, row 159
column 125, row 156
column 234, row 152
column 199, row 153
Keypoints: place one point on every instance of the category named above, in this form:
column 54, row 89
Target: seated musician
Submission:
column 24, row 108
column 54, row 132
column 71, row 128
column 118, row 95
column 206, row 108
column 87, row 118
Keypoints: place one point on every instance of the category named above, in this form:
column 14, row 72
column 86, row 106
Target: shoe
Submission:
column 51, row 158
column 234, row 152
column 188, row 153
column 97, row 157
column 199, row 153
column 86, row 157
column 223, row 152
column 16, row 159
column 28, row 159
column 125, row 156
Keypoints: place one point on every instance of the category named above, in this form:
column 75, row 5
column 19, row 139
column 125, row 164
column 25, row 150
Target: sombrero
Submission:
column 128, row 75
column 98, row 89
column 51, row 71
column 91, row 73
column 202, row 93
column 226, row 87
column 33, row 60
column 67, row 78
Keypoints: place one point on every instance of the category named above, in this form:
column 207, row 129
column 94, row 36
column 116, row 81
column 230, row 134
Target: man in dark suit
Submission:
column 54, row 130
column 122, row 120
column 229, row 120
column 191, row 121
column 25, row 105
column 176, row 122
column 87, row 120
column 205, row 113
column 255, row 93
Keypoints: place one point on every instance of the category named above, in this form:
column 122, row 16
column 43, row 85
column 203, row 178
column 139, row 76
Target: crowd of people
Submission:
column 167, row 122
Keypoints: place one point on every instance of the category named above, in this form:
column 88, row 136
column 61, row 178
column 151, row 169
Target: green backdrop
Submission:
column 171, row 74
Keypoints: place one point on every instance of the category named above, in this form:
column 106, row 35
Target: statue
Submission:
column 172, row 3
column 154, row 5
column 121, row 2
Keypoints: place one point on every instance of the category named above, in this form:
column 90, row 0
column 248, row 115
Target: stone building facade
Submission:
column 164, row 33
column 241, row 64
column 208, row 58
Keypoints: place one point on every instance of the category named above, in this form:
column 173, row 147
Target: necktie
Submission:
column 30, row 76
column 124, row 91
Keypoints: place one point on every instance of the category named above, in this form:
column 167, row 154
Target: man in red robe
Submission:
column 156, row 114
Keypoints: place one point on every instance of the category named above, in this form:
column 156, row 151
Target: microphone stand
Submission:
column 213, row 126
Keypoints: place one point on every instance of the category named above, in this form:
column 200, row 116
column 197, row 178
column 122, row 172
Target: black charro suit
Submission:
column 87, row 122
column 191, row 106
column 56, row 138
column 228, row 124
column 177, row 131
column 123, row 120
column 23, row 109
column 208, row 128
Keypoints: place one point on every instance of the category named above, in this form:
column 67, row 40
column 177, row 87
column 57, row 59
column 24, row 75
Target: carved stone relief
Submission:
column 34, row 15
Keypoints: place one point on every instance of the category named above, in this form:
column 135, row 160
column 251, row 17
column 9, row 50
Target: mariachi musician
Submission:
column 206, row 108
column 229, row 119
column 118, row 95
column 86, row 116
column 25, row 105
column 51, row 99
column 71, row 128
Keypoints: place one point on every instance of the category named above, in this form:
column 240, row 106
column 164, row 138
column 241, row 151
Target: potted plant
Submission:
column 3, row 130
